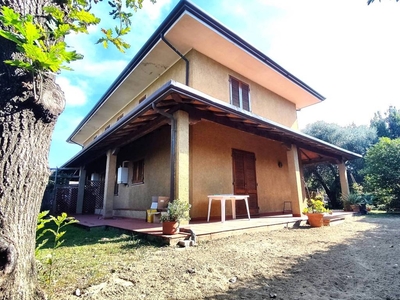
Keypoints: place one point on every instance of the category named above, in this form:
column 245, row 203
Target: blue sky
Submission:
column 347, row 51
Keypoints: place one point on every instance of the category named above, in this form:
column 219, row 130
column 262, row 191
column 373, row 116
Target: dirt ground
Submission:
column 358, row 259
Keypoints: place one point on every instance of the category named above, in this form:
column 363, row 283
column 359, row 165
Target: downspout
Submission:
column 180, row 54
column 173, row 121
column 76, row 143
column 173, row 139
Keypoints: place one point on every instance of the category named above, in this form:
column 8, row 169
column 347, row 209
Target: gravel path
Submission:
column 358, row 259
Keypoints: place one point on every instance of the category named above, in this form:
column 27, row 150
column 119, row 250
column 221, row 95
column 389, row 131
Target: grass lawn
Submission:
column 382, row 214
column 87, row 257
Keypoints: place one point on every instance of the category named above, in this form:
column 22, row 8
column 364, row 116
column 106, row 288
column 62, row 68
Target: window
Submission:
column 240, row 94
column 138, row 172
column 107, row 127
column 120, row 117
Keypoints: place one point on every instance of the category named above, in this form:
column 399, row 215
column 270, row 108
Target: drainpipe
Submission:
column 173, row 156
column 180, row 54
column 173, row 121
column 76, row 143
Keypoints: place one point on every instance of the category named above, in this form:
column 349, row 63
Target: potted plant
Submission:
column 356, row 198
column 177, row 211
column 353, row 200
column 315, row 212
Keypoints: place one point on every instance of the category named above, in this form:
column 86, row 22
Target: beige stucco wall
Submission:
column 212, row 78
column 176, row 72
column 211, row 167
column 155, row 149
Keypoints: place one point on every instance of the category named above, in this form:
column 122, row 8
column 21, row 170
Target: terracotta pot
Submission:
column 355, row 208
column 316, row 219
column 170, row 227
column 326, row 222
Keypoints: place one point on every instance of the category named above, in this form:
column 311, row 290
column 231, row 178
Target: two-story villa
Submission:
column 199, row 111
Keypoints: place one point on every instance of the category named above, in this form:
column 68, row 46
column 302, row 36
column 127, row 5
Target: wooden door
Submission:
column 244, row 180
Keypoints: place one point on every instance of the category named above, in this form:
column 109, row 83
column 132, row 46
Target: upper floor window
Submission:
column 120, row 117
column 107, row 127
column 240, row 93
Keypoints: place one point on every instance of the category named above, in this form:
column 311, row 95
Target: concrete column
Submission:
column 295, row 180
column 344, row 183
column 81, row 190
column 182, row 156
column 108, row 201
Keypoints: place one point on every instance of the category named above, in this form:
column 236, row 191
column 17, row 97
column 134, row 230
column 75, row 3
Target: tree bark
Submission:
column 27, row 121
column 332, row 193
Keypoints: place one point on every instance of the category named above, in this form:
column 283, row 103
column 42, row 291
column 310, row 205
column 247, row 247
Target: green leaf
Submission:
column 85, row 17
column 55, row 13
column 40, row 246
column 31, row 32
column 42, row 214
column 125, row 30
column 11, row 36
column 11, row 18
column 59, row 243
column 62, row 30
column 66, row 68
column 71, row 56
column 35, row 53
column 19, row 64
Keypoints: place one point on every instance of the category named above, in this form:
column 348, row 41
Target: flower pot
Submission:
column 170, row 227
column 355, row 208
column 315, row 219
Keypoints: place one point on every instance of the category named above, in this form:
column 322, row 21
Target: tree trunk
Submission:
column 26, row 124
column 331, row 193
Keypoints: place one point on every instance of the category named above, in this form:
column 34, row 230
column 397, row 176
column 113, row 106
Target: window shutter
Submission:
column 235, row 92
column 245, row 97
column 141, row 171
column 138, row 171
column 239, row 171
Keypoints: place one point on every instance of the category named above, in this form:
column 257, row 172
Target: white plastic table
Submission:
column 223, row 199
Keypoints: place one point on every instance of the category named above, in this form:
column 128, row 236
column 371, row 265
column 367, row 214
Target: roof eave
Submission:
column 179, row 9
column 176, row 87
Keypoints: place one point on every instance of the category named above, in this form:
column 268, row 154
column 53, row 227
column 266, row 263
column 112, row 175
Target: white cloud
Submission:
column 153, row 12
column 75, row 95
column 97, row 69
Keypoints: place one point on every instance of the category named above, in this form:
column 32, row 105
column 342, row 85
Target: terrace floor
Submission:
column 203, row 230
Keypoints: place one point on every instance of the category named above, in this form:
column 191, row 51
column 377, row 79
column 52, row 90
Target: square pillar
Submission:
column 182, row 157
column 81, row 190
column 109, row 184
column 344, row 183
column 295, row 182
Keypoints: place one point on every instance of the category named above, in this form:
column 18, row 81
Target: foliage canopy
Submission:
column 40, row 38
column 387, row 125
column 382, row 171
